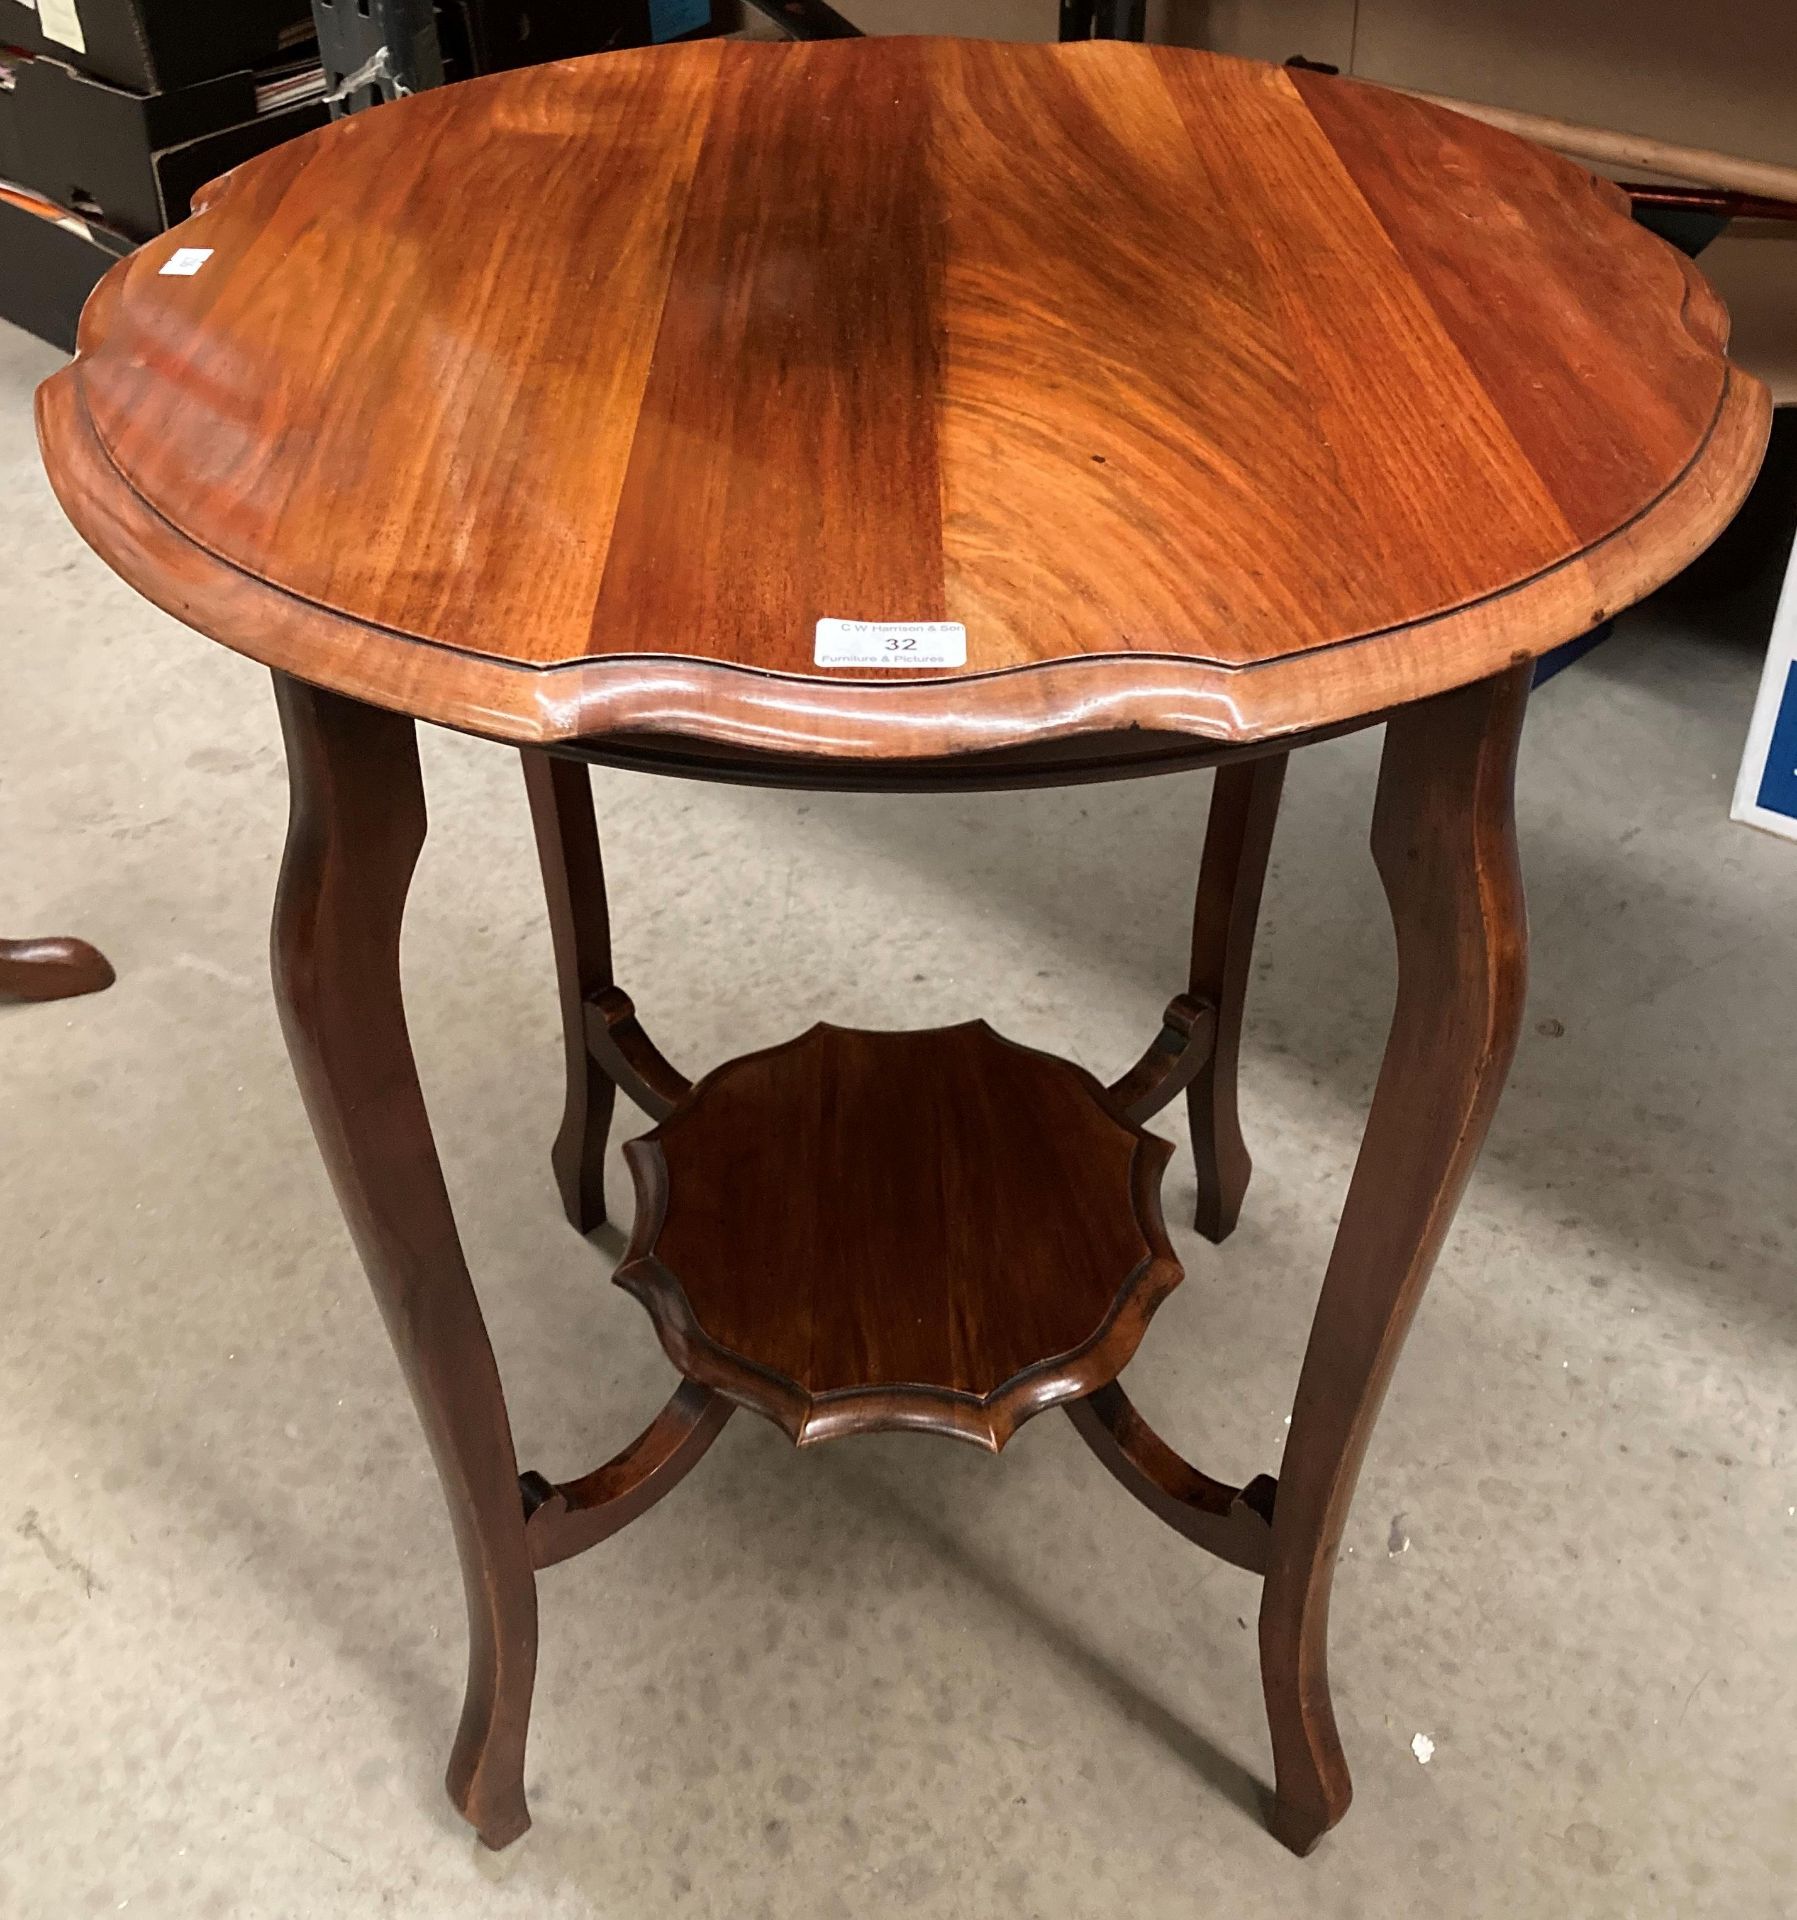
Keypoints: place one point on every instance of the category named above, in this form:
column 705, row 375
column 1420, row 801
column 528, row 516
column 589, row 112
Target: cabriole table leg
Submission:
column 1244, row 808
column 561, row 809
column 1444, row 839
column 357, row 823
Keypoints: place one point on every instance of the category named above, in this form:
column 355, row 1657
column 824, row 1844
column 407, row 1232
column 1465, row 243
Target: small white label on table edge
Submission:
column 890, row 643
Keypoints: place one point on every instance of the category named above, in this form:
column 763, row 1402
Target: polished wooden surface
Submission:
column 937, row 1230
column 1213, row 399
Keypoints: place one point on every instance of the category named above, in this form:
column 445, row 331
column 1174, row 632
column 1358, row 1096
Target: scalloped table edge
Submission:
column 675, row 696
column 988, row 1420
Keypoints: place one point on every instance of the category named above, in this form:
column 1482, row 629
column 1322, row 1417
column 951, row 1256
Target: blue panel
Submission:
column 1778, row 778
column 1557, row 659
column 669, row 19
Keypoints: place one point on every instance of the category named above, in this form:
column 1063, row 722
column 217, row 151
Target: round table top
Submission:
column 1180, row 393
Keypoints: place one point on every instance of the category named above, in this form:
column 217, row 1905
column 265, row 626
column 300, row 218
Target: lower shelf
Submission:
column 861, row 1231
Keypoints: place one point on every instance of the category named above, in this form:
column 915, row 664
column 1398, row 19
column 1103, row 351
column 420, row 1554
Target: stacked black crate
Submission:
column 423, row 43
column 112, row 114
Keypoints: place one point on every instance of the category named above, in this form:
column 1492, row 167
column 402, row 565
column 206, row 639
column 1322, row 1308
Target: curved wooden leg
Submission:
column 1243, row 809
column 356, row 826
column 1234, row 1523
column 1444, row 839
column 569, row 1519
column 52, row 968
column 561, row 808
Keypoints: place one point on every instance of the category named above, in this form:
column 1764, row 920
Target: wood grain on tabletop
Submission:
column 977, row 1233
column 1212, row 398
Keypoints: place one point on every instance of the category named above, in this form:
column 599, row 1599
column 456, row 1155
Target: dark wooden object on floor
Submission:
column 1225, row 409
column 52, row 968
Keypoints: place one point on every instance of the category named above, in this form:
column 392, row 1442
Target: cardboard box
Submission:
column 156, row 46
column 132, row 161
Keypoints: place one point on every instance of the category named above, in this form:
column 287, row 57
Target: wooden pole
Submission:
column 1608, row 148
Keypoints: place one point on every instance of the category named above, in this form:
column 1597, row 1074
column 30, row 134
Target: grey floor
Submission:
column 895, row 1676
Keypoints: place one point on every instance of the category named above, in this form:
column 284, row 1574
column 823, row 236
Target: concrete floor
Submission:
column 893, row 1677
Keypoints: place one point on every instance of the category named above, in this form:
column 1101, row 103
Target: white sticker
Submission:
column 891, row 643
column 60, row 21
column 186, row 261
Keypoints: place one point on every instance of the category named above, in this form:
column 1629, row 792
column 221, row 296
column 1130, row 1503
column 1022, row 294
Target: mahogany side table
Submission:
column 903, row 414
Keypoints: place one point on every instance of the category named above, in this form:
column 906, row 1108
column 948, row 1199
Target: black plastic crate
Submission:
column 51, row 268
column 131, row 160
column 156, row 46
